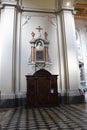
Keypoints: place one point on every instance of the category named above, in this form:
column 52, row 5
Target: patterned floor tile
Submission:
column 65, row 117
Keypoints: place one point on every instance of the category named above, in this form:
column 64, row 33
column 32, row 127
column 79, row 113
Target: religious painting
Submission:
column 39, row 56
column 39, row 45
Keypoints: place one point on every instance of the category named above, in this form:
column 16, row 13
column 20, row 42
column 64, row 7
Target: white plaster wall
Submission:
column 7, row 20
column 48, row 23
column 83, row 38
column 81, row 26
column 26, row 23
column 40, row 4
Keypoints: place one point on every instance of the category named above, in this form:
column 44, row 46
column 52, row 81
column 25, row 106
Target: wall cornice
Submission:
column 34, row 10
column 3, row 5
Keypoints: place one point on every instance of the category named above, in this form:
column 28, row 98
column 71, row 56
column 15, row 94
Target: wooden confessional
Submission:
column 42, row 89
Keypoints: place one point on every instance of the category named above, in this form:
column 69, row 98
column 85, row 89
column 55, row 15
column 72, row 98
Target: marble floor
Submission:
column 64, row 117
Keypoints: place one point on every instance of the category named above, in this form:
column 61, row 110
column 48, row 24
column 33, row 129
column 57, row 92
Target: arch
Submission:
column 42, row 72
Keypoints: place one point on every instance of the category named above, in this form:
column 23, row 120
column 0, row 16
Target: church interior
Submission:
column 43, row 64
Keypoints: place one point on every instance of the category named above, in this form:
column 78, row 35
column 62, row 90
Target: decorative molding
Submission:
column 27, row 20
column 37, row 10
column 50, row 19
column 9, row 2
column 79, row 16
column 17, row 5
column 80, row 0
column 81, row 10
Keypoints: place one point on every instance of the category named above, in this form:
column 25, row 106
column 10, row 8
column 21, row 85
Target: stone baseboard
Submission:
column 21, row 102
column 72, row 99
column 12, row 103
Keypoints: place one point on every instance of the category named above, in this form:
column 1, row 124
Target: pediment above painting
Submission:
column 42, row 72
column 39, row 40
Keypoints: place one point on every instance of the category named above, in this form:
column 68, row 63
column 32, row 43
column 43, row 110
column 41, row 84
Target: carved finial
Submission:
column 45, row 35
column 33, row 34
column 39, row 28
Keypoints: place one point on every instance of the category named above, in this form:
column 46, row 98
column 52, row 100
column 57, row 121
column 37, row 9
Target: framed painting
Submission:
column 40, row 56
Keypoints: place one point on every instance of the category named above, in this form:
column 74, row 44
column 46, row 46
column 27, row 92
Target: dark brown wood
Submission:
column 42, row 89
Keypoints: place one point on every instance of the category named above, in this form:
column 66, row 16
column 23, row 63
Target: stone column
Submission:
column 46, row 54
column 69, row 69
column 33, row 53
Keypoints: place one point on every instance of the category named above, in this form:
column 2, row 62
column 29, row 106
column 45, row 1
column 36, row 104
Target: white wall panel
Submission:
column 81, row 26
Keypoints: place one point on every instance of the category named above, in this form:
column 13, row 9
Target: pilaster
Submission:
column 69, row 69
column 9, row 17
column 65, row 4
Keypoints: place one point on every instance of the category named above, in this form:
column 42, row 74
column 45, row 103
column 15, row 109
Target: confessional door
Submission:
column 43, row 90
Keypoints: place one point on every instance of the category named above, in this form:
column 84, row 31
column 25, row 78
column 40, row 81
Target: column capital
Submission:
column 65, row 5
column 8, row 2
column 1, row 6
column 14, row 3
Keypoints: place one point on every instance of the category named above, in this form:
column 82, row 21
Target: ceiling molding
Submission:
column 81, row 10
